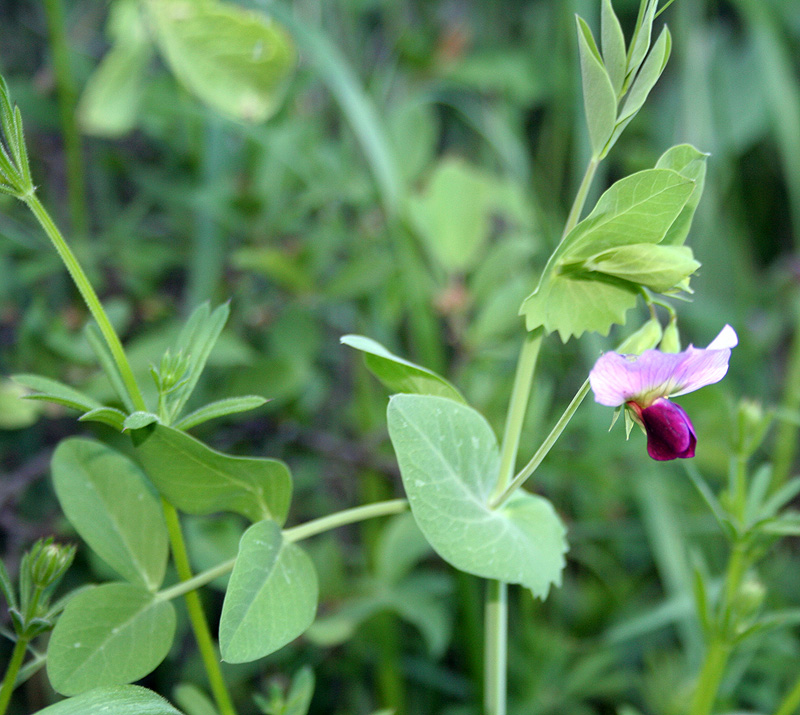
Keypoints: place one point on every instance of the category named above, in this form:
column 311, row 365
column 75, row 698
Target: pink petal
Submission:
column 670, row 433
column 617, row 379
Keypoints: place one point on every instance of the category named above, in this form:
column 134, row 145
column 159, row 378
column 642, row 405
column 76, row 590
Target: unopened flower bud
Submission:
column 49, row 562
column 671, row 342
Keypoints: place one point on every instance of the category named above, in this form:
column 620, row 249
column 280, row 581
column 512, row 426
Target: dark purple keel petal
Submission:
column 670, row 433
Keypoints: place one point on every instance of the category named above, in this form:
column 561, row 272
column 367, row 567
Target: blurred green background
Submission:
column 406, row 124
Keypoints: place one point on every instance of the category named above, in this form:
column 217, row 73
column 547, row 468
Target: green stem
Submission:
column 496, row 644
column 710, row 678
column 786, row 437
column 791, row 702
column 303, row 531
column 197, row 618
column 348, row 516
column 517, row 408
column 67, row 101
column 89, row 296
column 10, row 680
column 580, row 197
column 545, row 447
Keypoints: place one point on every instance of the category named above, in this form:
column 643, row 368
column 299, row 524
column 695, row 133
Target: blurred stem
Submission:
column 496, row 645
column 710, row 678
column 791, row 702
column 786, row 437
column 67, row 102
column 208, row 256
column 89, row 296
column 197, row 618
column 10, row 679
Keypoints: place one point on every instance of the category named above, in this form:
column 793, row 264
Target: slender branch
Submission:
column 580, row 197
column 67, row 100
column 348, row 516
column 197, row 618
column 10, row 680
column 197, row 581
column 545, row 447
column 89, row 296
column 496, row 644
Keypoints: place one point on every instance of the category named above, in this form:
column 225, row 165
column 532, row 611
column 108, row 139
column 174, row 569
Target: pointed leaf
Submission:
column 108, row 500
column 57, row 392
column 220, row 408
column 137, row 420
column 613, row 43
column 109, row 635
column 199, row 480
column 599, row 97
column 107, row 415
column 234, row 60
column 640, row 42
column 690, row 163
column 113, row 700
column 271, row 597
column 449, row 462
column 398, row 374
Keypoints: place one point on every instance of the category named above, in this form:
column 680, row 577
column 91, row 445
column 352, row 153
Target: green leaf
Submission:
column 220, row 408
column 400, row 546
column 196, row 341
column 638, row 209
column 109, row 635
column 107, row 415
column 110, row 101
column 271, row 597
column 640, row 42
column 113, row 700
column 108, row 500
column 54, row 391
column 16, row 409
column 691, row 164
column 298, row 699
column 658, row 267
column 452, row 214
column 398, row 374
column 449, row 462
column 193, row 700
column 643, row 84
column 137, row 420
column 613, row 43
column 599, row 97
column 235, row 60
column 200, row 480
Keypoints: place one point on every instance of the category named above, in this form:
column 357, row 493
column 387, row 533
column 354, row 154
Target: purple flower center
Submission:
column 670, row 434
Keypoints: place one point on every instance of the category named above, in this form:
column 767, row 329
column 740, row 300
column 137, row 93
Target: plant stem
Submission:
column 545, row 447
column 197, row 618
column 786, row 437
column 791, row 702
column 580, row 197
column 67, row 101
column 10, row 680
column 710, row 677
column 517, row 408
column 89, row 296
column 348, row 516
column 496, row 645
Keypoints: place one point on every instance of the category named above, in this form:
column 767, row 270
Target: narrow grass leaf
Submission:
column 220, row 408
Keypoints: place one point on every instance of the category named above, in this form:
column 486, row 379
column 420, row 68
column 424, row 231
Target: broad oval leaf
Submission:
column 271, row 597
column 449, row 462
column 109, row 635
column 113, row 700
column 399, row 374
column 234, row 60
column 199, row 480
column 108, row 500
column 640, row 208
column 452, row 215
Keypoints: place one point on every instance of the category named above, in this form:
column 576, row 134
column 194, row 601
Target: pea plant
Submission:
column 461, row 483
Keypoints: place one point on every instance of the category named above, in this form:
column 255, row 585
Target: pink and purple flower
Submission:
column 644, row 383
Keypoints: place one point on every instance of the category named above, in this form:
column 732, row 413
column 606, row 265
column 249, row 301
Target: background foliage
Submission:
column 421, row 219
